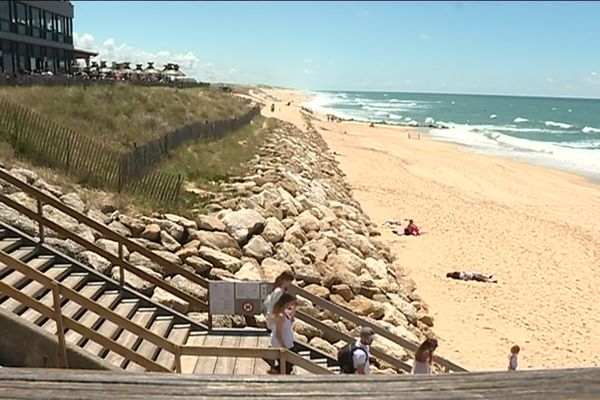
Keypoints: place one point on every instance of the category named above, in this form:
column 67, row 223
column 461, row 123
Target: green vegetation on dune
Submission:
column 122, row 114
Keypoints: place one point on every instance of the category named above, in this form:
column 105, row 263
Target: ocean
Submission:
column 556, row 132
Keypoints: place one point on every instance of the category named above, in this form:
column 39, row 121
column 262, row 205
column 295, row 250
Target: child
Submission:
column 282, row 333
column 513, row 358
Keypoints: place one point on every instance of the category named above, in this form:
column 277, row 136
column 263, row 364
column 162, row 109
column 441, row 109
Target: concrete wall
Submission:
column 23, row 344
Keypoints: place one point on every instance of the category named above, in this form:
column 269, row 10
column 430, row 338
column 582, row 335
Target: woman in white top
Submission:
column 282, row 333
column 424, row 357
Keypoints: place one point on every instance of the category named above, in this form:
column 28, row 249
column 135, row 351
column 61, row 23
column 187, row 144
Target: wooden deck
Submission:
column 572, row 384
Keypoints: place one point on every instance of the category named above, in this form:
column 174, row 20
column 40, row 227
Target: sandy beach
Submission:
column 536, row 229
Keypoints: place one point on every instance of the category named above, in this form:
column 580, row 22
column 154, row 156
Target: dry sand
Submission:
column 536, row 229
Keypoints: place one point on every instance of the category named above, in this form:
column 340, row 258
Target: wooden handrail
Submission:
column 253, row 352
column 88, row 304
column 342, row 312
column 103, row 229
column 81, row 329
column 350, row 340
column 195, row 303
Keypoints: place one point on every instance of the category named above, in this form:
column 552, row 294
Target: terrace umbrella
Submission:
column 177, row 70
column 150, row 70
column 104, row 69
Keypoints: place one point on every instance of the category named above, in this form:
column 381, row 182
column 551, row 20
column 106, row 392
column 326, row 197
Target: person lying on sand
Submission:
column 471, row 276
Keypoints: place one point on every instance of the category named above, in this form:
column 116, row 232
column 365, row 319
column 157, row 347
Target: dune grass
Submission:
column 123, row 114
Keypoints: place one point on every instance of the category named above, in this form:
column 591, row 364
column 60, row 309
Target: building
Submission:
column 36, row 36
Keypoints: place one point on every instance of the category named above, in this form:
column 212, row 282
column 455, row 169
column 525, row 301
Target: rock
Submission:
column 194, row 244
column 210, row 223
column 24, row 175
column 24, row 199
column 405, row 307
column 59, row 217
column 220, row 274
column 287, row 222
column 13, row 218
column 393, row 316
column 198, row 264
column 170, row 227
column 185, row 285
column 324, row 345
column 306, row 330
column 344, row 291
column 258, row 248
column 135, row 226
column 295, row 236
column 248, row 272
column 344, row 259
column 74, row 201
column 151, row 232
column 242, row 224
column 138, row 260
column 135, row 281
column 169, row 242
column 67, row 247
column 186, row 252
column 318, row 290
column 119, row 228
column 219, row 259
column 47, row 188
column 307, row 222
column 112, row 247
column 425, row 318
column 170, row 257
column 339, row 300
column 365, row 307
column 405, row 333
column 216, row 240
column 98, row 216
column 345, row 276
column 271, row 268
column 274, row 231
column 95, row 261
column 376, row 268
column 179, row 220
column 167, row 299
column 317, row 250
column 306, row 273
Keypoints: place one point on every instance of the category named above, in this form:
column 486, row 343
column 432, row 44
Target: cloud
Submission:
column 425, row 37
column 111, row 50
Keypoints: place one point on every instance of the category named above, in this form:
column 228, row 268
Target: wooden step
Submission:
column 18, row 279
column 188, row 363
column 21, row 254
column 74, row 281
column 71, row 308
column 91, row 319
column 160, row 327
column 8, row 244
column 226, row 365
column 142, row 317
column 34, row 289
column 178, row 335
column 206, row 365
column 246, row 366
column 125, row 308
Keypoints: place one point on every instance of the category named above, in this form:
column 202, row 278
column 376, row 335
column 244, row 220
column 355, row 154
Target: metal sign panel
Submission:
column 221, row 299
column 237, row 298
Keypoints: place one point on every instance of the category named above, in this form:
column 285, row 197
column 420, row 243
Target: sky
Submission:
column 520, row 48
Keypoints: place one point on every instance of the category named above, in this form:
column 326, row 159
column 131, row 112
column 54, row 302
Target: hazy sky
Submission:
column 463, row 47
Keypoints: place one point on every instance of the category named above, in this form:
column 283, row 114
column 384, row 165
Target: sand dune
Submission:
column 536, row 229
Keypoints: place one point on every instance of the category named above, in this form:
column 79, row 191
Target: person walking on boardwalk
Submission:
column 356, row 358
column 513, row 358
column 282, row 333
column 424, row 357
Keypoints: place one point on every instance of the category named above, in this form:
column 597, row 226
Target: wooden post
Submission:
column 60, row 330
column 178, row 359
column 121, row 272
column 40, row 211
column 282, row 361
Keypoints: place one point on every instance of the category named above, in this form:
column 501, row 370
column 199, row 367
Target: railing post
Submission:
column 282, row 361
column 60, row 331
column 40, row 212
column 178, row 359
column 121, row 272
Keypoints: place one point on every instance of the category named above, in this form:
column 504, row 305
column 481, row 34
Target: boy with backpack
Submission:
column 356, row 358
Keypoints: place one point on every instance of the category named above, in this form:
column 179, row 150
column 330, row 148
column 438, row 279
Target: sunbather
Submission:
column 471, row 276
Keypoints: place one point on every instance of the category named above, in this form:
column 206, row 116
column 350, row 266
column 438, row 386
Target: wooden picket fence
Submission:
column 93, row 163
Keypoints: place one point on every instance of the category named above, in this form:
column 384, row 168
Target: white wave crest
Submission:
column 394, row 116
column 493, row 116
column 589, row 129
column 561, row 125
column 520, row 119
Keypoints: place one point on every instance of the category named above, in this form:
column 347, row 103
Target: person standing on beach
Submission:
column 424, row 357
column 282, row 334
column 513, row 358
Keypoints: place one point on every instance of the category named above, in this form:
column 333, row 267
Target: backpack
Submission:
column 345, row 358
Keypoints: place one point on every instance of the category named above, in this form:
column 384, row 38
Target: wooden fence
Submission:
column 93, row 163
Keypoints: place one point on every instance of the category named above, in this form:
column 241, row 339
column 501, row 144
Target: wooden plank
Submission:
column 206, row 365
column 246, row 366
column 34, row 289
column 188, row 363
column 178, row 334
column 160, row 326
column 126, row 308
column 226, row 365
column 128, row 339
column 91, row 319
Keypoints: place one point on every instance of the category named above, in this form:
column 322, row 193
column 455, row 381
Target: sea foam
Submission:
column 520, row 119
column 589, row 129
column 561, row 125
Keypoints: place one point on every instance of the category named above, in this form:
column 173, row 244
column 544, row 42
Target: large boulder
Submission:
column 134, row 225
column 169, row 300
column 248, row 272
column 344, row 291
column 324, row 345
column 306, row 273
column 171, row 227
column 318, row 290
column 377, row 268
column 346, row 259
column 179, row 220
column 135, row 281
column 138, row 260
column 74, row 201
column 393, row 316
column 307, row 222
column 295, row 235
column 409, row 311
column 185, row 285
column 151, row 232
column 199, row 265
column 258, row 248
column 362, row 306
column 95, row 261
column 242, row 224
column 210, row 223
column 219, row 259
column 59, row 217
column 271, row 268
column 112, row 247
column 24, row 199
column 216, row 240
column 119, row 228
column 169, row 242
column 274, row 231
column 18, row 220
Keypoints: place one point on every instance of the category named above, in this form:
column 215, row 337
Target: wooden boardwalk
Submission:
column 572, row 384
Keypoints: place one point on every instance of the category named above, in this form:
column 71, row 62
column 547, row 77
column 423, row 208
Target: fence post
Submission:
column 40, row 211
column 60, row 330
column 121, row 272
column 178, row 359
column 282, row 361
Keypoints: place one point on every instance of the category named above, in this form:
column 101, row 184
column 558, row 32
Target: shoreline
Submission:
column 536, row 228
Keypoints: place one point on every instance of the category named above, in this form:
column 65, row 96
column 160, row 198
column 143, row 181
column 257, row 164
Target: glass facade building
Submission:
column 36, row 36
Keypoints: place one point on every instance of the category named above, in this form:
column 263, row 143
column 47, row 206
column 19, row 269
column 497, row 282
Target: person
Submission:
column 411, row 229
column 513, row 358
column 282, row 334
column 356, row 358
column 471, row 276
column 424, row 357
column 282, row 285
column 273, row 107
